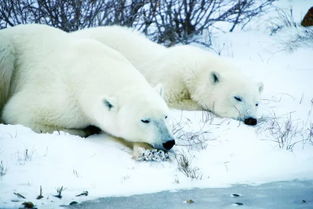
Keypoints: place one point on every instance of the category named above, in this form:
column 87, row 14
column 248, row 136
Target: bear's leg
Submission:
column 139, row 149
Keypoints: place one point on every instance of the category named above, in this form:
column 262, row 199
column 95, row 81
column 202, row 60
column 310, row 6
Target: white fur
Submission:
column 64, row 83
column 185, row 73
column 6, row 66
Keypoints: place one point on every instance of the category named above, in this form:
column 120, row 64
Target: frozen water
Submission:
column 278, row 195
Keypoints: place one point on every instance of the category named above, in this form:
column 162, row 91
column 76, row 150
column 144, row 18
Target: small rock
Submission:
column 303, row 201
column 238, row 203
column 28, row 205
column 189, row 201
column 73, row 203
column 85, row 193
column 235, row 195
column 308, row 18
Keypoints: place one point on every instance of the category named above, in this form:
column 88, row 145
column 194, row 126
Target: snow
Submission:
column 227, row 152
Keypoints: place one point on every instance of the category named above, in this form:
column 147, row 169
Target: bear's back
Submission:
column 137, row 48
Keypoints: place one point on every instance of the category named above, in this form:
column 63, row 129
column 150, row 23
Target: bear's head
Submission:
column 214, row 84
column 229, row 94
column 138, row 119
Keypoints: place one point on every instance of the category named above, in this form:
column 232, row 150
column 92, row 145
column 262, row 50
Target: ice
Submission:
column 279, row 195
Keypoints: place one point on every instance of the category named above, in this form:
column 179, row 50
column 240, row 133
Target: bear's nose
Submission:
column 169, row 144
column 250, row 121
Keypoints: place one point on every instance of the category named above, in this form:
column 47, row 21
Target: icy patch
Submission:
column 278, row 195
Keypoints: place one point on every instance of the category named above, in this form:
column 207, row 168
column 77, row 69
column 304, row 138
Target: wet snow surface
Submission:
column 279, row 195
column 211, row 152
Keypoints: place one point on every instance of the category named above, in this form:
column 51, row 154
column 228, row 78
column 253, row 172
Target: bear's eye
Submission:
column 145, row 121
column 165, row 117
column 238, row 98
column 257, row 104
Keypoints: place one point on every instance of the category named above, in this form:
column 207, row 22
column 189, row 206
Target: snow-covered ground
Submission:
column 222, row 151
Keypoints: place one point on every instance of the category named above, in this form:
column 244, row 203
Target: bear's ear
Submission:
column 260, row 87
column 159, row 89
column 110, row 103
column 215, row 77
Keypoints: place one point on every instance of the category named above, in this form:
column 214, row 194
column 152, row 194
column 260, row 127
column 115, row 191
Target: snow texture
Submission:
column 210, row 151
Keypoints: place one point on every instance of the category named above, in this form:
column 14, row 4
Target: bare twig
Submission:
column 193, row 139
column 59, row 192
column 165, row 21
column 300, row 36
column 284, row 19
column 184, row 166
column 40, row 196
column 19, row 195
column 286, row 132
column 3, row 169
column 85, row 193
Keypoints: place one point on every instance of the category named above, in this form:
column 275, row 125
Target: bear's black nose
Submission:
column 169, row 144
column 250, row 121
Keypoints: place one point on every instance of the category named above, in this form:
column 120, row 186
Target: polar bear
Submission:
column 53, row 81
column 193, row 78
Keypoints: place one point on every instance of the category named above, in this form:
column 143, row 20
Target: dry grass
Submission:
column 191, row 135
column 287, row 132
column 283, row 132
column 25, row 156
column 184, row 166
column 291, row 129
column 309, row 134
column 3, row 169
column 190, row 139
column 284, row 19
column 186, row 137
column 300, row 36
